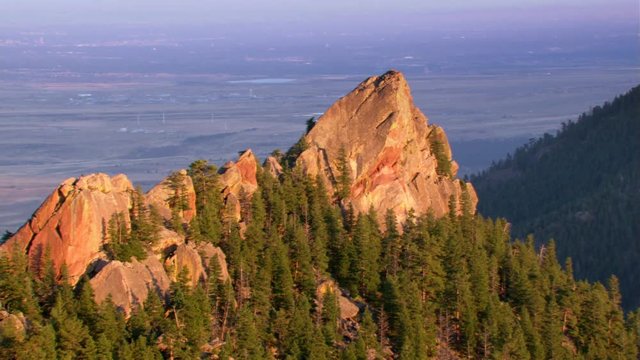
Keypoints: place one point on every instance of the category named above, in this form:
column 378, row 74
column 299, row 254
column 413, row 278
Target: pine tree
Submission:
column 249, row 344
column 443, row 162
column 85, row 304
column 343, row 186
column 207, row 225
column 301, row 264
column 16, row 284
column 282, row 280
column 366, row 267
column 195, row 326
column 617, row 337
column 531, row 335
column 177, row 200
column 391, row 244
column 319, row 231
column 592, row 324
column 330, row 317
column 300, row 342
column 46, row 282
column 73, row 338
column 41, row 344
column 112, row 328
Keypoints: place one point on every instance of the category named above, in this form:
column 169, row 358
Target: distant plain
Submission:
column 71, row 106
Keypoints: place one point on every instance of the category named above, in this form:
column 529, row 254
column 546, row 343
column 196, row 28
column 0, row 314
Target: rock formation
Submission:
column 129, row 283
column 186, row 257
column 13, row 327
column 71, row 227
column 167, row 240
column 348, row 309
column 71, row 224
column 195, row 259
column 389, row 148
column 159, row 196
column 207, row 252
column 272, row 166
column 239, row 177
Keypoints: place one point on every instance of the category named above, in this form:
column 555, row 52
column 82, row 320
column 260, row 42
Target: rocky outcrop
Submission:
column 348, row 308
column 167, row 240
column 195, row 259
column 13, row 327
column 272, row 166
column 129, row 283
column 186, row 257
column 207, row 252
column 389, row 148
column 72, row 222
column 239, row 177
column 159, row 196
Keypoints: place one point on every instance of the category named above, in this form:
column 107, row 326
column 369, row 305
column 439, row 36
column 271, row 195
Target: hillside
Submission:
column 357, row 243
column 580, row 187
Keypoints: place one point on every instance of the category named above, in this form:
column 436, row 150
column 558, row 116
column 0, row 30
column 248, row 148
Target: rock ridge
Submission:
column 389, row 148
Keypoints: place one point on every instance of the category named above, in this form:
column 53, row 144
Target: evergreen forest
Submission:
column 449, row 288
column 580, row 187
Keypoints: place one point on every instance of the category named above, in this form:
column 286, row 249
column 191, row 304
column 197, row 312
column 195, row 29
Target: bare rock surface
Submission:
column 71, row 223
column 129, row 283
column 207, row 252
column 186, row 257
column 272, row 166
column 388, row 145
column 239, row 177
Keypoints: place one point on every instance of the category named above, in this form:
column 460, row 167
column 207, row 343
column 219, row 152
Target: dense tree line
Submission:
column 455, row 287
column 579, row 187
column 125, row 242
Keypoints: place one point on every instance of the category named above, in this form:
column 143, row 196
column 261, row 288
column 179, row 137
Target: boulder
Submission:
column 72, row 223
column 348, row 309
column 129, row 283
column 389, row 148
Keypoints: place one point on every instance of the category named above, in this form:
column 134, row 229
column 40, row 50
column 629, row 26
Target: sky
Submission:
column 385, row 13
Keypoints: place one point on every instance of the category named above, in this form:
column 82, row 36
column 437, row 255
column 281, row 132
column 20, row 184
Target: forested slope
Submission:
column 580, row 187
column 449, row 288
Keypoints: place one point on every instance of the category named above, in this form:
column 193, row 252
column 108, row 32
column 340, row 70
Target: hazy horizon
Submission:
column 84, row 84
column 309, row 15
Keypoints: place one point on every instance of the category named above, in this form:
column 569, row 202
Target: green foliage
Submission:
column 365, row 268
column 580, row 188
column 454, row 287
column 343, row 185
column 290, row 157
column 207, row 226
column 125, row 242
column 443, row 163
column 178, row 200
column 311, row 122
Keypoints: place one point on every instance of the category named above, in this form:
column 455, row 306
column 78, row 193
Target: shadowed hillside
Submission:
column 580, row 187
